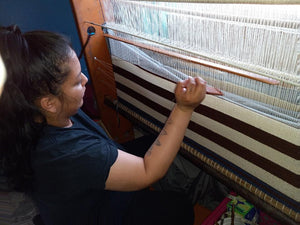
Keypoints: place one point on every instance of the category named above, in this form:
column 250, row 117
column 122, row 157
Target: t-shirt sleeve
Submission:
column 92, row 164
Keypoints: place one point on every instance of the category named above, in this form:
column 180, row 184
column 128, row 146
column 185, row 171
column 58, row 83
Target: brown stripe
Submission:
column 141, row 98
column 248, row 155
column 266, row 138
column 239, row 150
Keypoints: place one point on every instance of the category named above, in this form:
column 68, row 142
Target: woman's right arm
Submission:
column 130, row 172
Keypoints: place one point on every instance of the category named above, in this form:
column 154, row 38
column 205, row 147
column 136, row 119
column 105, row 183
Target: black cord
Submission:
column 91, row 31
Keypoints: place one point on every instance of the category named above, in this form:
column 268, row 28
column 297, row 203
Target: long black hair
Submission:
column 36, row 66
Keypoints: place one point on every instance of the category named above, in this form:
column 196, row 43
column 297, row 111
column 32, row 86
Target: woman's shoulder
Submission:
column 84, row 136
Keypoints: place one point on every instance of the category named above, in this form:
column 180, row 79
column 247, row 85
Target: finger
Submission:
column 201, row 84
column 200, row 80
column 180, row 87
column 191, row 84
column 187, row 81
column 200, row 89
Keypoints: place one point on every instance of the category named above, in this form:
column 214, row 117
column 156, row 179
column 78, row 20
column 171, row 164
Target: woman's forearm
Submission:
column 159, row 157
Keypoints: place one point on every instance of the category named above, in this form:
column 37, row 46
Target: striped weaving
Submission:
column 252, row 150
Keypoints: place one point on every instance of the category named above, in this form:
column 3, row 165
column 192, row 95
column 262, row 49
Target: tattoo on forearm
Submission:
column 163, row 132
column 169, row 121
column 157, row 143
column 148, row 153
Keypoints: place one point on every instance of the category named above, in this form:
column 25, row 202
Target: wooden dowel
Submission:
column 202, row 62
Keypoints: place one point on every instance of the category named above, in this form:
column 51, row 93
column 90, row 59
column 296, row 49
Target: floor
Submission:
column 200, row 214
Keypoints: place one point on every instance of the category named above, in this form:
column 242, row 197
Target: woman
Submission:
column 53, row 149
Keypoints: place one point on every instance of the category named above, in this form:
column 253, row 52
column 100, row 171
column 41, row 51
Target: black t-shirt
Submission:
column 70, row 167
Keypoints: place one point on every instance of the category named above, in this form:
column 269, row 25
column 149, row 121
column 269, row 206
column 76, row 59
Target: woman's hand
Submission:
column 190, row 93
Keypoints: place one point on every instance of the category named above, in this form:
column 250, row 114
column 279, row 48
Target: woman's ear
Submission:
column 49, row 104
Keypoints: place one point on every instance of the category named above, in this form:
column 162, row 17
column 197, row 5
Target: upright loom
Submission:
column 246, row 131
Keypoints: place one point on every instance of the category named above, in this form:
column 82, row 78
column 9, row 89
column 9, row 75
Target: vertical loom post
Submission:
column 118, row 127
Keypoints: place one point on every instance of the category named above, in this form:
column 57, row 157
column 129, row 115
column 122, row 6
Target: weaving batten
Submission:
column 209, row 89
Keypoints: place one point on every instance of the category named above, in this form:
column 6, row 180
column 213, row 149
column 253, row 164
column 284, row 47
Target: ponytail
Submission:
column 34, row 63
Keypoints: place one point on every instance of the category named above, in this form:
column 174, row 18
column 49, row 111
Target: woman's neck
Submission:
column 60, row 122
